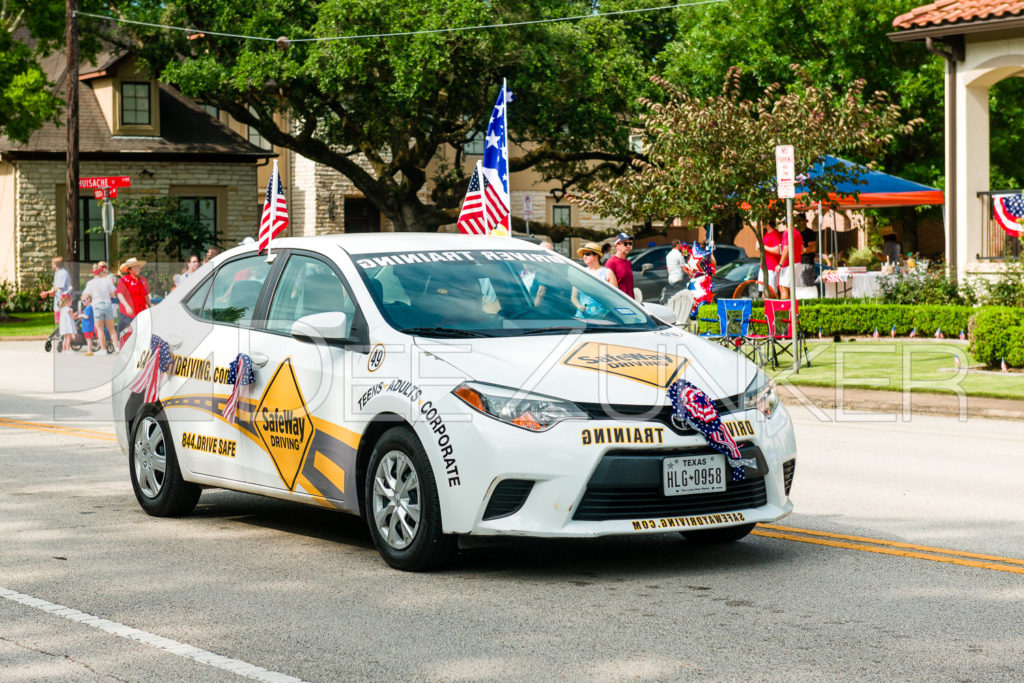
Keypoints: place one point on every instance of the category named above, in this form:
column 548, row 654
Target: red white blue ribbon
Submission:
column 241, row 376
column 697, row 409
column 147, row 382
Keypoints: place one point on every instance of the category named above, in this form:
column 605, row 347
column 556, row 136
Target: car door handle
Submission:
column 258, row 358
column 173, row 340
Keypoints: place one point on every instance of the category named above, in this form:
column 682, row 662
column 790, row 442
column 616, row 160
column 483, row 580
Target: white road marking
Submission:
column 235, row 666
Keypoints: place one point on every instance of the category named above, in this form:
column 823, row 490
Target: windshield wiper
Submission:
column 443, row 332
column 554, row 330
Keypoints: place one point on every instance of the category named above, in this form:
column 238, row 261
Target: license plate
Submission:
column 690, row 474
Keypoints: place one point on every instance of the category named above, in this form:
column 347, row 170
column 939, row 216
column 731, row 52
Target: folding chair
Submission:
column 734, row 330
column 779, row 339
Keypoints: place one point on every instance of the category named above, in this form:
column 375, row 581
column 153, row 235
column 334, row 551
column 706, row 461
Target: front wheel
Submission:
column 402, row 508
column 724, row 535
column 154, row 470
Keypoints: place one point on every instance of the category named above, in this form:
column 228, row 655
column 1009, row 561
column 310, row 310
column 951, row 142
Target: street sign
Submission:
column 785, row 171
column 102, row 182
column 105, row 193
column 527, row 207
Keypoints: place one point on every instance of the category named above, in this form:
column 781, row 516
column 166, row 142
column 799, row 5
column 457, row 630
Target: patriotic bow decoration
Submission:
column 147, row 382
column 1009, row 212
column 694, row 407
column 241, row 376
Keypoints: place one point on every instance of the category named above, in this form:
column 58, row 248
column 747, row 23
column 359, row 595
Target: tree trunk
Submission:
column 71, row 180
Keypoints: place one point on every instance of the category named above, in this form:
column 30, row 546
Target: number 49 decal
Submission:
column 376, row 358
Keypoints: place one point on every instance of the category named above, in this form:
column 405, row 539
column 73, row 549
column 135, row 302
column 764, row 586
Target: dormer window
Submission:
column 135, row 104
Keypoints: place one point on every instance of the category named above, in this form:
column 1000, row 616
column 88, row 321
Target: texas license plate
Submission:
column 693, row 474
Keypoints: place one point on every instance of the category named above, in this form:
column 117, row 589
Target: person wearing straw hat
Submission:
column 584, row 303
column 132, row 293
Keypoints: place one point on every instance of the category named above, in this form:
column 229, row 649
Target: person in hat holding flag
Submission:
column 132, row 293
column 619, row 263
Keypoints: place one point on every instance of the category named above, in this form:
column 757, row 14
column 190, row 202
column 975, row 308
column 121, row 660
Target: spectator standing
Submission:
column 891, row 249
column 66, row 320
column 586, row 305
column 61, row 286
column 674, row 261
column 132, row 293
column 101, row 290
column 807, row 257
column 620, row 265
column 786, row 270
column 88, row 330
column 190, row 268
column 212, row 253
column 772, row 252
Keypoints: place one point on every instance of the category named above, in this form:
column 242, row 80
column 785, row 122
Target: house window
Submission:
column 210, row 109
column 636, row 143
column 135, row 104
column 474, row 143
column 255, row 138
column 561, row 215
column 91, row 246
column 204, row 210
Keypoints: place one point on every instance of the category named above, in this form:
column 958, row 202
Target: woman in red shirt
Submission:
column 132, row 293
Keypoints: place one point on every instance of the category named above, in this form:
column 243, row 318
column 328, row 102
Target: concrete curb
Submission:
column 39, row 337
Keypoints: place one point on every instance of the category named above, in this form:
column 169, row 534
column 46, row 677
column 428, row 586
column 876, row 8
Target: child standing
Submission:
column 88, row 331
column 67, row 322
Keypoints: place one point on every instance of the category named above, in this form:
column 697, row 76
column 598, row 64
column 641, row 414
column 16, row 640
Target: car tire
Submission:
column 727, row 534
column 401, row 504
column 153, row 464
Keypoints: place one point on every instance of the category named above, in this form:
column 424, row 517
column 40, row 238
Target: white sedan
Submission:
column 445, row 386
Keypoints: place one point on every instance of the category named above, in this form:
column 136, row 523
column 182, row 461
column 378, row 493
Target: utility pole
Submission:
column 71, row 181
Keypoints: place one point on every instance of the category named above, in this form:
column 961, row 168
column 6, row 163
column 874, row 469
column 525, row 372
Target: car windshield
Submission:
column 738, row 271
column 489, row 293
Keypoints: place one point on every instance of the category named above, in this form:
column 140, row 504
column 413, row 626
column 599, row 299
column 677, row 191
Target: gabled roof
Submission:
column 947, row 12
column 186, row 130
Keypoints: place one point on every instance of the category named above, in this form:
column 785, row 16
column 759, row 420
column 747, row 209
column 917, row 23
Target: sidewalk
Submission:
column 851, row 399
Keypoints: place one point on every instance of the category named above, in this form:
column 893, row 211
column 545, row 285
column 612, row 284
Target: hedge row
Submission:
column 997, row 334
column 862, row 319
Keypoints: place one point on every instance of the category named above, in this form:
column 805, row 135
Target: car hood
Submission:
column 619, row 368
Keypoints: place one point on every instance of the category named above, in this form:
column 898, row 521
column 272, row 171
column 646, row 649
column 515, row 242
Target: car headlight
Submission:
column 534, row 412
column 761, row 394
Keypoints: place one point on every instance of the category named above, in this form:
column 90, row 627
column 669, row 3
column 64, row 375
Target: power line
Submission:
column 405, row 33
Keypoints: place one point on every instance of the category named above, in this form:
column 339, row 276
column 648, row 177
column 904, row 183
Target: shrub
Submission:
column 25, row 300
column 997, row 332
column 862, row 257
column 1007, row 288
column 930, row 288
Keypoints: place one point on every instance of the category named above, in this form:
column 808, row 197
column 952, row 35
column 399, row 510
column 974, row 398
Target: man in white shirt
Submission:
column 674, row 262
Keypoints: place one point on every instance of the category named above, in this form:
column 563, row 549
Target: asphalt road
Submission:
column 846, row 588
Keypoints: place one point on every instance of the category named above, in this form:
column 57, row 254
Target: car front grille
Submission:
column 788, row 469
column 509, row 496
column 600, row 505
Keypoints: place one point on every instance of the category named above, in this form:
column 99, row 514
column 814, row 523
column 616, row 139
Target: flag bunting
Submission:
column 696, row 409
column 147, row 382
column 239, row 379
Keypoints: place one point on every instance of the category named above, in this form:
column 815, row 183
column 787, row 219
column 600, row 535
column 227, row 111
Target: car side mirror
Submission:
column 662, row 313
column 330, row 328
column 645, row 267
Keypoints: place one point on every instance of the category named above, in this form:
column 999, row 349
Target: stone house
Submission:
column 129, row 125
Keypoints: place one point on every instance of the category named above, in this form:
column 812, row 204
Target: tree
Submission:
column 380, row 109
column 710, row 158
column 157, row 226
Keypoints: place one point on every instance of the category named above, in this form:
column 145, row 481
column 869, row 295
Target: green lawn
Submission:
column 27, row 325
column 890, row 366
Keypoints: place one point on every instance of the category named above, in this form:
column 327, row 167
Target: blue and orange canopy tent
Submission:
column 875, row 189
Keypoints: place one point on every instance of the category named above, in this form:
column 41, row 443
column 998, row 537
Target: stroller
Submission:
column 53, row 342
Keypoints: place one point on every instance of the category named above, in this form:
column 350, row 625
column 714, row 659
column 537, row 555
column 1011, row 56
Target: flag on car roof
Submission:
column 275, row 210
column 471, row 218
column 1009, row 211
column 497, row 202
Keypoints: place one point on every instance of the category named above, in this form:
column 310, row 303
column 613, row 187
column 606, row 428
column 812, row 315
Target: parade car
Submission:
column 445, row 387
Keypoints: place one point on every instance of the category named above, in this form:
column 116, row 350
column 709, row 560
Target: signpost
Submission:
column 105, row 188
column 785, row 172
column 527, row 211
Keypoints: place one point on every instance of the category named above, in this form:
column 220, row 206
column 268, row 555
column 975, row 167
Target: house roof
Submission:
column 955, row 12
column 186, row 130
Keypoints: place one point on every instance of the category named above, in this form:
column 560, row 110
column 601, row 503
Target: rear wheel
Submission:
column 402, row 508
column 155, row 475
column 724, row 535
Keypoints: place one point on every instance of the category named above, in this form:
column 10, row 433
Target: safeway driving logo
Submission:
column 282, row 423
column 640, row 365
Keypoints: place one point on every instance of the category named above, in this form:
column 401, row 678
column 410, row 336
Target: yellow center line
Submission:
column 70, row 431
column 891, row 551
column 893, row 544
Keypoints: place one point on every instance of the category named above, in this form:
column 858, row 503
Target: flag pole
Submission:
column 508, row 169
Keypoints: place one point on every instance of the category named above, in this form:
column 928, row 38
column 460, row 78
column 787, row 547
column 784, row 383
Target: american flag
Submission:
column 1009, row 209
column 147, row 382
column 913, row 333
column 875, row 335
column 1002, row 365
column 240, row 380
column 939, row 335
column 497, row 205
column 698, row 410
column 471, row 218
column 962, row 335
column 275, row 211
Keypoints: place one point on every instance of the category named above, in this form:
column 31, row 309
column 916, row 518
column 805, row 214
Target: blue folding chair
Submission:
column 734, row 328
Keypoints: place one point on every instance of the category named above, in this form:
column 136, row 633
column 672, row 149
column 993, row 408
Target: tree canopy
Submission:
column 28, row 30
column 398, row 101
